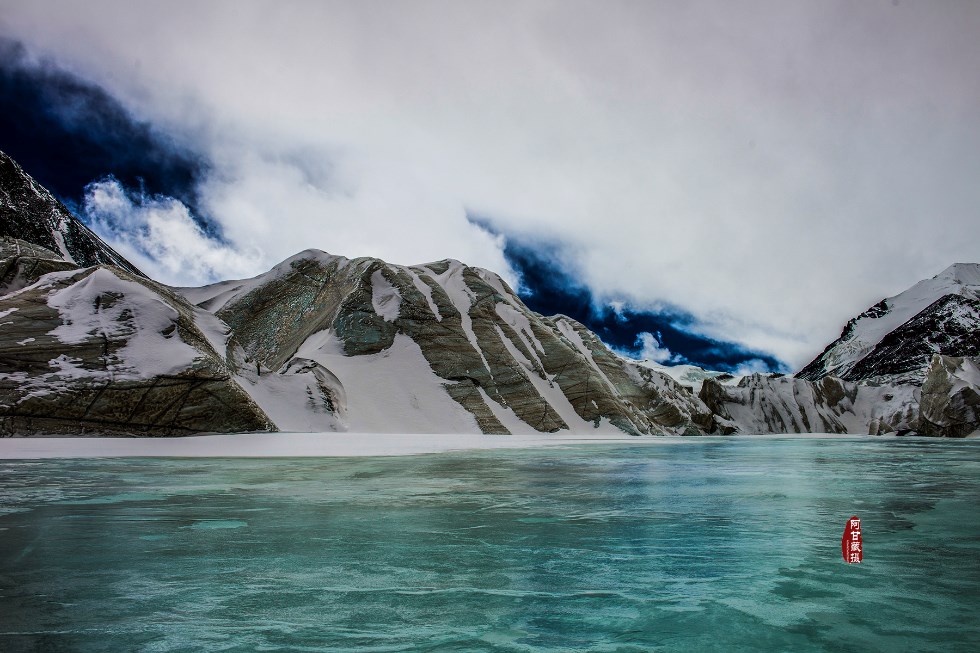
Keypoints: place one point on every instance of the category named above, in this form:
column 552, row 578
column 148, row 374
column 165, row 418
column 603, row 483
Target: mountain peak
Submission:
column 311, row 254
column 895, row 339
column 30, row 213
column 967, row 274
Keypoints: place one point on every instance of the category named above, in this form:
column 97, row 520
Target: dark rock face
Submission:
column 30, row 213
column 950, row 326
column 893, row 341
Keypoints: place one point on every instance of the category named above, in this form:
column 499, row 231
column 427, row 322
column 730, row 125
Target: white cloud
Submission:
column 753, row 366
column 159, row 236
column 652, row 350
column 772, row 168
column 271, row 203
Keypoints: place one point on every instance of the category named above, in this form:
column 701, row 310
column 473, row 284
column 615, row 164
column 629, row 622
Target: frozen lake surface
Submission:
column 694, row 545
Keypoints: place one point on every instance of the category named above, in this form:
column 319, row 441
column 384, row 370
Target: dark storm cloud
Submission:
column 68, row 133
column 549, row 286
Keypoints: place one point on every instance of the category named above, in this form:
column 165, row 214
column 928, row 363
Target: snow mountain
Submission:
column 437, row 347
column 102, row 351
column 89, row 347
column 895, row 340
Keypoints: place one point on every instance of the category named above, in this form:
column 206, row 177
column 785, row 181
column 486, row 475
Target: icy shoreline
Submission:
column 328, row 445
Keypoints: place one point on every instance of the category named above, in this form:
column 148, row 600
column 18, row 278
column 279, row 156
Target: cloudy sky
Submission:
column 720, row 182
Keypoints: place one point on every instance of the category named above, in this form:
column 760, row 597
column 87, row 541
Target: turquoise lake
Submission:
column 687, row 545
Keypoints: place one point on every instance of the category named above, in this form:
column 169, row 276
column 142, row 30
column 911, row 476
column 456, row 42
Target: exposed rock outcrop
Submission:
column 31, row 213
column 22, row 263
column 766, row 404
column 950, row 404
column 893, row 341
column 101, row 351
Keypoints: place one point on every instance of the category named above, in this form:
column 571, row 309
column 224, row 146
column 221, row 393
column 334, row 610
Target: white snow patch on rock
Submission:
column 426, row 291
column 506, row 416
column 522, row 326
column 5, row 313
column 385, row 298
column 103, row 305
column 551, row 392
column 59, row 240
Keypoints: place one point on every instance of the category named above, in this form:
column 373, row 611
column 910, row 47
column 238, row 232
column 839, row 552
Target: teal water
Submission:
column 697, row 545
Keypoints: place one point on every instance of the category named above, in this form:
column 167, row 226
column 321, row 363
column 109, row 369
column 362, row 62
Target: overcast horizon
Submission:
column 718, row 183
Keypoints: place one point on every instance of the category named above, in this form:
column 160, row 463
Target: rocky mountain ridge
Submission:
column 103, row 351
column 457, row 333
column 29, row 212
column 325, row 343
column 894, row 341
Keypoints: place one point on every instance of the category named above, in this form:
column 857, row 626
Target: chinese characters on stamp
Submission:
column 852, row 547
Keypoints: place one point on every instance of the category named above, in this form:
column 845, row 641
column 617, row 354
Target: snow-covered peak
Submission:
column 959, row 279
column 105, row 305
column 448, row 263
column 964, row 274
column 317, row 256
column 865, row 332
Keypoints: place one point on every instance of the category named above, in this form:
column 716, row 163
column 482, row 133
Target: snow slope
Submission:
column 767, row 405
